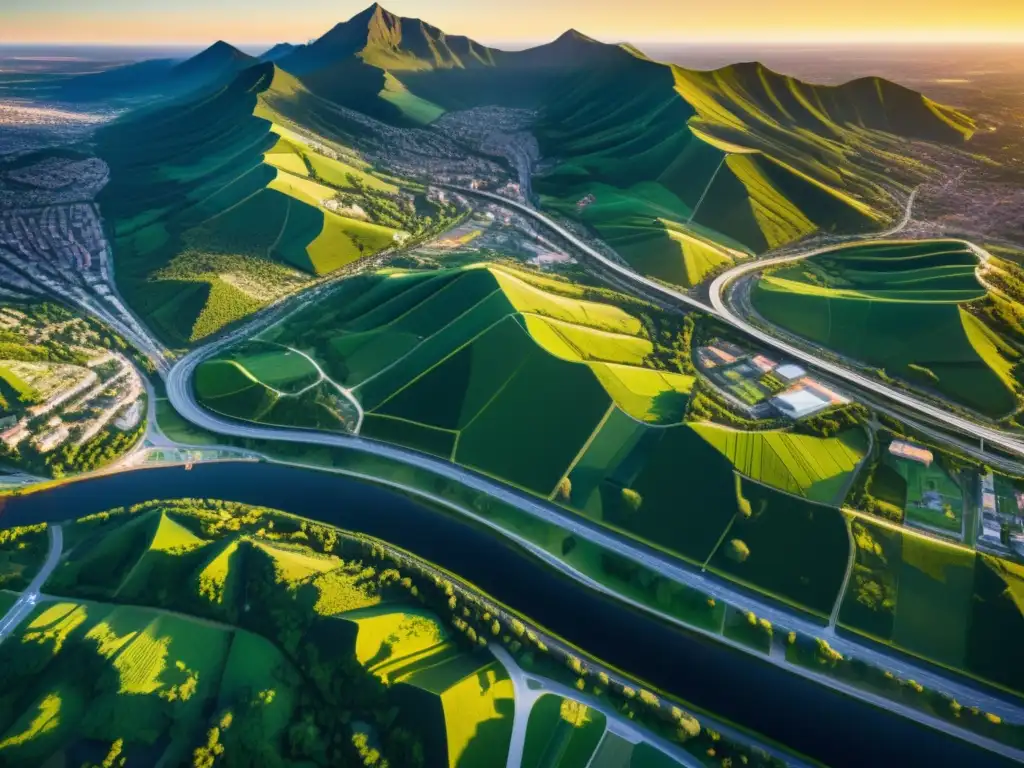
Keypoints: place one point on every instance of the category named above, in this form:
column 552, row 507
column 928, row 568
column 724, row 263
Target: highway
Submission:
column 720, row 310
column 30, row 597
column 181, row 396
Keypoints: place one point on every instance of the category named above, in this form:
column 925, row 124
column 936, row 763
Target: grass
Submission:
column 254, row 664
column 561, row 732
column 933, row 499
column 851, row 298
column 810, row 466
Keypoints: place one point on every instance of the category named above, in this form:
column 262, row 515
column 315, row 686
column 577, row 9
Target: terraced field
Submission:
column 218, row 209
column 900, row 307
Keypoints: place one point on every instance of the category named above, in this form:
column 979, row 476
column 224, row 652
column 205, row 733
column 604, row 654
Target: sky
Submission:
column 245, row 22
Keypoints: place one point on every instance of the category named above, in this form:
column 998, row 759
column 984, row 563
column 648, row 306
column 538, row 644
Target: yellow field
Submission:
column 171, row 536
column 579, row 343
column 636, row 390
column 293, row 566
column 529, row 299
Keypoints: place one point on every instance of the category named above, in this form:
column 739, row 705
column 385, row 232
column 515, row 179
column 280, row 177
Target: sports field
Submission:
column 933, row 499
column 898, row 307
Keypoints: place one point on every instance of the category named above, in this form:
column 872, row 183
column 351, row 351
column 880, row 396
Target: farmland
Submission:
column 521, row 377
column 942, row 602
column 218, row 209
column 850, row 300
column 561, row 732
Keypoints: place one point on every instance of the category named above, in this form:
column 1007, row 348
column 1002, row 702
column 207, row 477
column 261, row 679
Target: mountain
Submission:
column 160, row 77
column 217, row 62
column 279, row 51
column 384, row 40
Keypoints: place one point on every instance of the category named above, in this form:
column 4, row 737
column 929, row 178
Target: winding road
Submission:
column 30, row 597
column 721, row 310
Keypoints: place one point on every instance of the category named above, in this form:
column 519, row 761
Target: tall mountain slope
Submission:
column 217, row 209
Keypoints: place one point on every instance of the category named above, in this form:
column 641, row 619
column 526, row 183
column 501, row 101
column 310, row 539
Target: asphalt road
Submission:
column 30, row 597
column 181, row 396
column 719, row 309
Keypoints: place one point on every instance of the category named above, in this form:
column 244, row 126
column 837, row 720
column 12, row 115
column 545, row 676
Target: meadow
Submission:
column 850, row 300
column 942, row 602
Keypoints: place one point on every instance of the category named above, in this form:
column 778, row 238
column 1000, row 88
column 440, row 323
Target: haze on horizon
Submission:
column 196, row 22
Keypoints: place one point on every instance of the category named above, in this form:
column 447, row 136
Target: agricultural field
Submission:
column 265, row 587
column 932, row 498
column 852, row 298
column 816, row 467
column 524, row 378
column 561, row 732
column 82, row 675
column 218, row 209
column 942, row 602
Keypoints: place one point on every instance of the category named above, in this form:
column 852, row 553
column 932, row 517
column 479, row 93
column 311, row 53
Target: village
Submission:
column 63, row 388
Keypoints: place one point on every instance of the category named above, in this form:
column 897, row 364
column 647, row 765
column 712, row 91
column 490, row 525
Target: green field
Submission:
column 939, row 601
column 561, row 732
column 933, row 499
column 850, row 300
column 815, row 467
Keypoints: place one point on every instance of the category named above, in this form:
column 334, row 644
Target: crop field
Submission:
column 138, row 657
column 561, row 732
column 468, row 698
column 851, row 300
column 443, row 362
column 217, row 210
column 815, row 467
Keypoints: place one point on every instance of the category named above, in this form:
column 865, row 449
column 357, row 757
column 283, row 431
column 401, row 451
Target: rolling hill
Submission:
column 687, row 170
column 902, row 307
column 219, row 206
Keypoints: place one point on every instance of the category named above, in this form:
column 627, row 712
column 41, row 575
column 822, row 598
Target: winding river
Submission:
column 822, row 724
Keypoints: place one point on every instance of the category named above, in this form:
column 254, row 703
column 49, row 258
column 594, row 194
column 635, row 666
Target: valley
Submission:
column 503, row 378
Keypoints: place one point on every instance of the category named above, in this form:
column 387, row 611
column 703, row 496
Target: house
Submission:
column 789, row 372
column 799, row 402
column 904, row 450
column 11, row 436
column 991, row 532
column 762, row 363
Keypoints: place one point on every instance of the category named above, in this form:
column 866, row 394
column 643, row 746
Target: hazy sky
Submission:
column 249, row 21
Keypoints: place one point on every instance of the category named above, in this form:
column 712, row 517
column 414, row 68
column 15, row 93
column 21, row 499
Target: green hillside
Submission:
column 542, row 384
column 307, row 642
column 218, row 208
column 904, row 308
column 443, row 361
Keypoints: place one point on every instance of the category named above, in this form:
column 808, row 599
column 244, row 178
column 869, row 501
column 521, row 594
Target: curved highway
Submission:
column 182, row 398
column 720, row 310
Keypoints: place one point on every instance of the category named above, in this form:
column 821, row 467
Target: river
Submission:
column 823, row 724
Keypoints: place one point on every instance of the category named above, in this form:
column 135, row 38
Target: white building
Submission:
column 789, row 372
column 799, row 402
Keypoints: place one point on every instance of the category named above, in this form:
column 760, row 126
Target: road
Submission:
column 721, row 311
column 181, row 396
column 30, row 597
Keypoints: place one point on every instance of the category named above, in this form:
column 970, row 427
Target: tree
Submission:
column 738, row 551
column 632, row 499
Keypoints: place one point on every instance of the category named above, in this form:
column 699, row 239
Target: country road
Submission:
column 720, row 310
column 30, row 597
